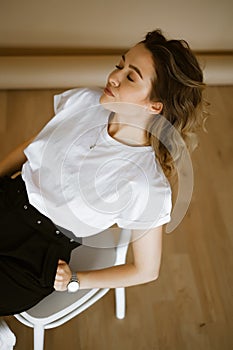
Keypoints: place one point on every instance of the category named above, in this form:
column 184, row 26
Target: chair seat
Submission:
column 82, row 258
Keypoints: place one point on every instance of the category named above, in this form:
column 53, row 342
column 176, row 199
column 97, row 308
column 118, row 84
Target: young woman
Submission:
column 100, row 161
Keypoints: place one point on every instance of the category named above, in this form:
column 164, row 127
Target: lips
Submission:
column 108, row 91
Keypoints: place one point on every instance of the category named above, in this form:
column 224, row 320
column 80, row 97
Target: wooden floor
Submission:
column 190, row 306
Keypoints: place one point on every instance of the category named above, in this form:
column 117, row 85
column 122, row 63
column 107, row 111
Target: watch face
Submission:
column 73, row 287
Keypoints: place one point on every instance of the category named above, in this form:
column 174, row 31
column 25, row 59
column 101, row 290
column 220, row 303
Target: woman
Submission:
column 100, row 161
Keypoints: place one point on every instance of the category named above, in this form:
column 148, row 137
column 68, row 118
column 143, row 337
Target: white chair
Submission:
column 7, row 338
column 106, row 249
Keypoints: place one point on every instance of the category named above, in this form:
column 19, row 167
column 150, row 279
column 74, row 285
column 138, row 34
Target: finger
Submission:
column 59, row 286
column 59, row 278
column 61, row 262
column 60, row 270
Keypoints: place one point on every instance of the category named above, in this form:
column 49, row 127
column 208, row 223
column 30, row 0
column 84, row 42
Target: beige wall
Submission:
column 205, row 24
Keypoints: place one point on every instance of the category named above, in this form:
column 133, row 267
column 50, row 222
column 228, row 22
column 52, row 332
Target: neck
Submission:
column 129, row 130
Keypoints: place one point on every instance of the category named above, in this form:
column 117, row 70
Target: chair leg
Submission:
column 38, row 337
column 120, row 302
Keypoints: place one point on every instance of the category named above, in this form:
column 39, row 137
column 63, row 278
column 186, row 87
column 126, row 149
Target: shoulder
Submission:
column 80, row 97
column 150, row 201
column 159, row 189
column 146, row 167
column 155, row 190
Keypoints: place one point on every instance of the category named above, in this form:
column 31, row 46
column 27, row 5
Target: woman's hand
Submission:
column 63, row 276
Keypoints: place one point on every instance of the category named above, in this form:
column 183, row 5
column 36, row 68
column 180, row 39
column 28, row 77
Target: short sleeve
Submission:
column 81, row 96
column 147, row 209
column 65, row 98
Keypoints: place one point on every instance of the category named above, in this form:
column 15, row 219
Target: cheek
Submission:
column 139, row 95
column 146, row 93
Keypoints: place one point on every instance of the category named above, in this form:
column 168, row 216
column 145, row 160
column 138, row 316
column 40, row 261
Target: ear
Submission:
column 155, row 107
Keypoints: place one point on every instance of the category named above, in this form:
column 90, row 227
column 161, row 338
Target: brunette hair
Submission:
column 178, row 84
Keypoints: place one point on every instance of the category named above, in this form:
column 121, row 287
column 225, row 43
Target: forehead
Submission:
column 141, row 57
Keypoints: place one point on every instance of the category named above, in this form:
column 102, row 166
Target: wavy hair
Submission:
column 178, row 84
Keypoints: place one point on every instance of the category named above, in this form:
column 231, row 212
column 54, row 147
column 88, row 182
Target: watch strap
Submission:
column 73, row 280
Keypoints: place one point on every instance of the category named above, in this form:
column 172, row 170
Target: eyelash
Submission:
column 128, row 76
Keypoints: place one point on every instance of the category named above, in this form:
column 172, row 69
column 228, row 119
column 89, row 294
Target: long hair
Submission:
column 178, row 84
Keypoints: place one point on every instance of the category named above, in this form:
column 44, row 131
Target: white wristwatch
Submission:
column 74, row 284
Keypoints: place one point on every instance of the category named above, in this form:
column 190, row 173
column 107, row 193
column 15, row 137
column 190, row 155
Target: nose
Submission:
column 114, row 79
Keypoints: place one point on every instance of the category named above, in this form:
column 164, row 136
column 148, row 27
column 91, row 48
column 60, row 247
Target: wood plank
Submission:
column 190, row 306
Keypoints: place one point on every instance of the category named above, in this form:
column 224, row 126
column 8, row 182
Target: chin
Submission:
column 102, row 99
column 106, row 103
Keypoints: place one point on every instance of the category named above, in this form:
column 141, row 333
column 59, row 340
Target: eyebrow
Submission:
column 133, row 67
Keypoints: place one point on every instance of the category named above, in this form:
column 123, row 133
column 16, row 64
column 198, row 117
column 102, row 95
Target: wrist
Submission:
column 74, row 283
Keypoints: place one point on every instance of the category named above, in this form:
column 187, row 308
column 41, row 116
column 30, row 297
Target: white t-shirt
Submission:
column 84, row 180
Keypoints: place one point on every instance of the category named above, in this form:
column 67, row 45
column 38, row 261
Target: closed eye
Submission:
column 128, row 76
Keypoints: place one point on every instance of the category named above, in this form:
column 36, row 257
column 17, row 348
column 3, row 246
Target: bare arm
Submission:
column 14, row 160
column 145, row 267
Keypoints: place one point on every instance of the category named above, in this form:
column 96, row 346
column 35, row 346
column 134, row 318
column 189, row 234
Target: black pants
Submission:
column 30, row 247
